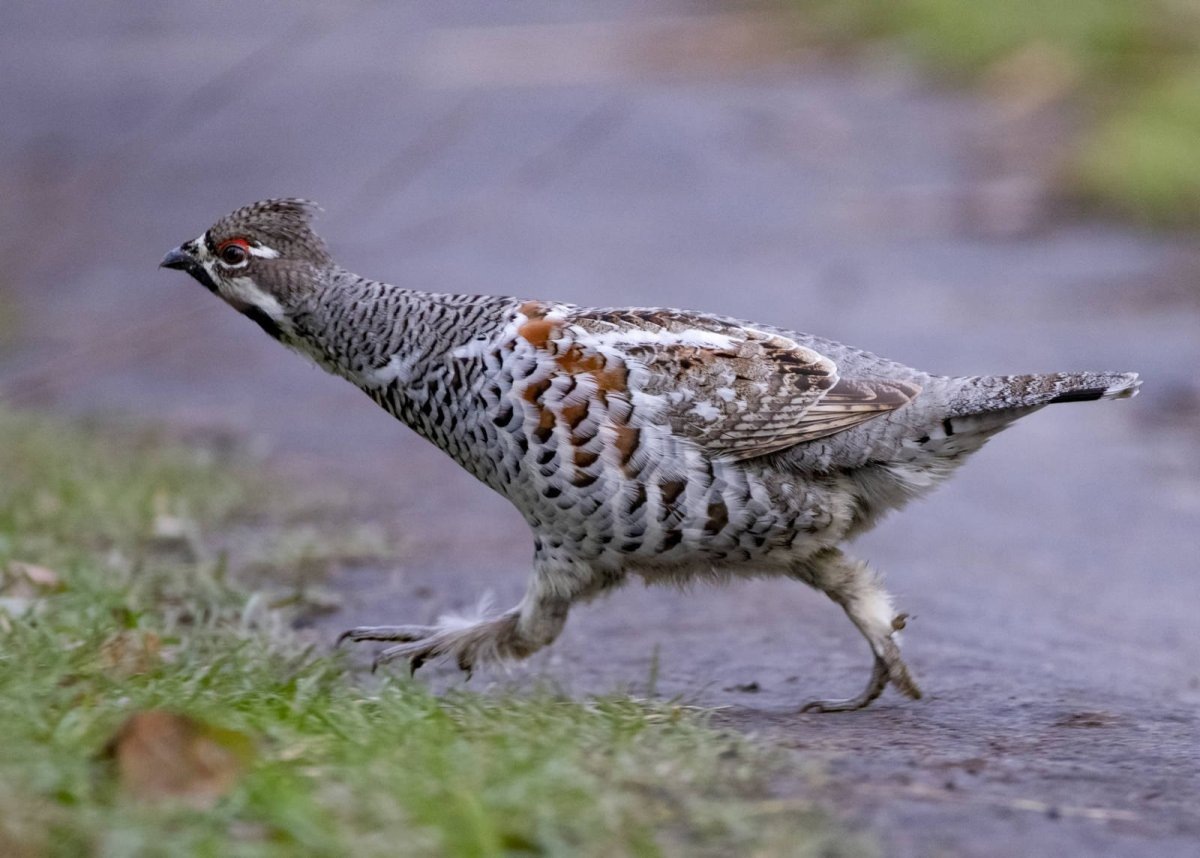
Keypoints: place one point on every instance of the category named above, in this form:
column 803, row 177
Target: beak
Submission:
column 179, row 259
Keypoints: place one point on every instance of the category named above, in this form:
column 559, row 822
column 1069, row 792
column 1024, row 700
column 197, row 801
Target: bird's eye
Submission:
column 234, row 253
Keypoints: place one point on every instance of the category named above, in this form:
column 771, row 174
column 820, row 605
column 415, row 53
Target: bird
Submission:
column 663, row 444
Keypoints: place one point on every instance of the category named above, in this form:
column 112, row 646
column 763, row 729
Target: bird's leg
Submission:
column 514, row 634
column 853, row 586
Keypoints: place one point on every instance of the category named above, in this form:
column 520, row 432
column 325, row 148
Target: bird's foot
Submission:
column 468, row 644
column 888, row 667
column 875, row 686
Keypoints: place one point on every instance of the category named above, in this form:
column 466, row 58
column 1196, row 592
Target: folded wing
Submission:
column 736, row 391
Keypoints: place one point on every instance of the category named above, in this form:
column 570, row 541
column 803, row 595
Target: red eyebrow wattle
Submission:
column 241, row 242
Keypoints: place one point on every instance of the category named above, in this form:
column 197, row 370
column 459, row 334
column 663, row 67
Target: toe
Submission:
column 404, row 634
column 848, row 705
column 875, row 685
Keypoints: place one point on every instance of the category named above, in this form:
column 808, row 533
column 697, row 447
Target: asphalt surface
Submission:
column 682, row 154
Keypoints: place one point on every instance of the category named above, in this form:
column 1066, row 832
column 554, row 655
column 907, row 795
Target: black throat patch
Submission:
column 264, row 321
column 202, row 277
column 248, row 310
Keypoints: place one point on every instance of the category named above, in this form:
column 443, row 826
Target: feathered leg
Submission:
column 853, row 586
column 514, row 634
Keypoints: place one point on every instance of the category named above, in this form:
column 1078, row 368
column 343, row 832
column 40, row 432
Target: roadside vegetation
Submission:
column 152, row 702
column 1129, row 68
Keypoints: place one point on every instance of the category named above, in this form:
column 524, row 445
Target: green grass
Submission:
column 1130, row 67
column 146, row 616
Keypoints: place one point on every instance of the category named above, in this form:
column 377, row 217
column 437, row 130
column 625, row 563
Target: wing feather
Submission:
column 736, row 391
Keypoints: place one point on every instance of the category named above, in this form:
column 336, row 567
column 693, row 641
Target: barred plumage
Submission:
column 655, row 442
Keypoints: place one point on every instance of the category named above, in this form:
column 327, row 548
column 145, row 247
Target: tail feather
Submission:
column 979, row 407
column 1122, row 385
column 1004, row 392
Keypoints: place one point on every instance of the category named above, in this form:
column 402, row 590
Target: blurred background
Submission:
column 967, row 188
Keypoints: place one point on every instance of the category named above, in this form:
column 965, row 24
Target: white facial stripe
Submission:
column 206, row 263
column 243, row 290
column 264, row 252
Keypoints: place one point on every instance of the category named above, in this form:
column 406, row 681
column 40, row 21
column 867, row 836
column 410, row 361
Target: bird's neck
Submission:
column 398, row 345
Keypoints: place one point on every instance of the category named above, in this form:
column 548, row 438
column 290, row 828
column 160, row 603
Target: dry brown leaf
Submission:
column 164, row 755
column 130, row 653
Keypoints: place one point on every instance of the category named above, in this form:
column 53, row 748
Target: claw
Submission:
column 415, row 663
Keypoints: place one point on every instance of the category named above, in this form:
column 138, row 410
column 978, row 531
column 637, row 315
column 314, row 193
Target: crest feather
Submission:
column 284, row 225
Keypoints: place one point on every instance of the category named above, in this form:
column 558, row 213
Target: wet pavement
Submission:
column 665, row 153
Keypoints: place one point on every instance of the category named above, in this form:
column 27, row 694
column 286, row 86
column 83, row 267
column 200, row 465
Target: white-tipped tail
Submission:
column 1084, row 386
column 1123, row 387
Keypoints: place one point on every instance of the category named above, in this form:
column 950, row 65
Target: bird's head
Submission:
column 263, row 259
